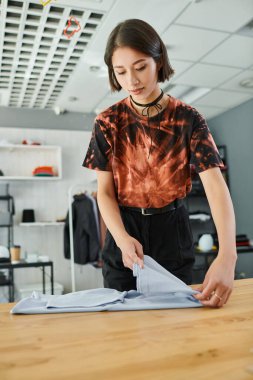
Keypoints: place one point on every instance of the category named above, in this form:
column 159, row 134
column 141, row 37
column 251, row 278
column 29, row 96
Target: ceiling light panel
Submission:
column 36, row 58
column 204, row 75
column 225, row 53
column 191, row 43
column 225, row 15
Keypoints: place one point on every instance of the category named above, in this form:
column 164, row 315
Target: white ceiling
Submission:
column 208, row 45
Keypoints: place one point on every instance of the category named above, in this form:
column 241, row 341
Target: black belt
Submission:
column 152, row 211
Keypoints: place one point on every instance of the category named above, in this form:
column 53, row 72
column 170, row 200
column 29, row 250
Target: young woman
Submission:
column 142, row 148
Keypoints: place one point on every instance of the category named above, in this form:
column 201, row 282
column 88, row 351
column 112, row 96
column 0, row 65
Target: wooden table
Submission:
column 199, row 344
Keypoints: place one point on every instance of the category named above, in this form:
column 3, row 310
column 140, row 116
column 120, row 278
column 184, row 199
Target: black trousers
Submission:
column 165, row 237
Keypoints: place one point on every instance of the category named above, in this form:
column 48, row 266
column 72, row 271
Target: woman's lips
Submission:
column 137, row 91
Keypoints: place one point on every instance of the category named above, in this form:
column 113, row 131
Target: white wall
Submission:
column 49, row 199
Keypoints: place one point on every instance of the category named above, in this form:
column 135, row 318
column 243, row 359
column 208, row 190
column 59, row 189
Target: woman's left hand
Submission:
column 218, row 282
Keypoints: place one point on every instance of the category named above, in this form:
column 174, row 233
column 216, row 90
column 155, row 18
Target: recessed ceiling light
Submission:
column 170, row 46
column 59, row 111
column 95, row 69
column 247, row 83
column 73, row 98
column 101, row 71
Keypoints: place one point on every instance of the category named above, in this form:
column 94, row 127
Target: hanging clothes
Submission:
column 96, row 213
column 102, row 226
column 98, row 218
column 85, row 236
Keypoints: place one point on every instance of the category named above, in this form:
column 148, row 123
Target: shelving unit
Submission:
column 9, row 214
column 17, row 162
column 6, row 222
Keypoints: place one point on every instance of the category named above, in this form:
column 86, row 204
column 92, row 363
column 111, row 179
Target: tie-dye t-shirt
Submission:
column 151, row 174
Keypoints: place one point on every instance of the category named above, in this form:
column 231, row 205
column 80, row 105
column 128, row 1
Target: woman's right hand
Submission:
column 132, row 252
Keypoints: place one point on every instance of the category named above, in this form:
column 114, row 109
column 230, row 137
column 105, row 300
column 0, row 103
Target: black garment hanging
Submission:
column 86, row 242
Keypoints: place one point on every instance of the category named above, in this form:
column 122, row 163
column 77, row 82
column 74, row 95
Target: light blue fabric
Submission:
column 154, row 279
column 87, row 298
column 156, row 289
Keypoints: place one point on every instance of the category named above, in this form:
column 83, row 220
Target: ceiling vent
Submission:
column 36, row 57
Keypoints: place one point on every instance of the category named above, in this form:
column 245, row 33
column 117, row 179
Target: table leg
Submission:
column 43, row 280
column 11, row 286
column 52, row 278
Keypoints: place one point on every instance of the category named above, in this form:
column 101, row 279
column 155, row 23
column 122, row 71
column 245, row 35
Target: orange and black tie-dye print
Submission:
column 121, row 140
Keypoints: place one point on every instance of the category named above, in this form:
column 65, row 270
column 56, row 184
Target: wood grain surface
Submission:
column 199, row 344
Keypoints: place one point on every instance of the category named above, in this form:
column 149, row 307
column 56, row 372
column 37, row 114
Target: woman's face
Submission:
column 136, row 73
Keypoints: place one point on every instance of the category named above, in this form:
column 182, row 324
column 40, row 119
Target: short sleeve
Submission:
column 98, row 156
column 204, row 152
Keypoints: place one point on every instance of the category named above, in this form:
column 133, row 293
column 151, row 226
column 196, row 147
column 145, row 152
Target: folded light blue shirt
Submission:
column 157, row 288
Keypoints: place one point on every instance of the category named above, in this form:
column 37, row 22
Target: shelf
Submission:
column 13, row 147
column 5, row 197
column 41, row 224
column 27, row 178
column 18, row 161
column 5, row 283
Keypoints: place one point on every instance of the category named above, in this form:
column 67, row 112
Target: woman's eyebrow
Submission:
column 134, row 63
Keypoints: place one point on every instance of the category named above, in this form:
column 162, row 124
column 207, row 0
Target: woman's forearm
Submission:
column 223, row 214
column 109, row 209
column 224, row 219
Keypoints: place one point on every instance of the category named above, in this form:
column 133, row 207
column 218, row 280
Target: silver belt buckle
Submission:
column 144, row 213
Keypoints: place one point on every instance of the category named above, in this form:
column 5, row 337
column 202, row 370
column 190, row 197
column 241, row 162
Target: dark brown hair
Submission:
column 139, row 35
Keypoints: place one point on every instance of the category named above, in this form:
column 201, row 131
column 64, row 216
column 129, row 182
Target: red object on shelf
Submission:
column 30, row 142
column 46, row 170
column 243, row 244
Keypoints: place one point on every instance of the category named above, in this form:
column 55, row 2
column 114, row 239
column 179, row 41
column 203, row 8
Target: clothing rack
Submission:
column 74, row 189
